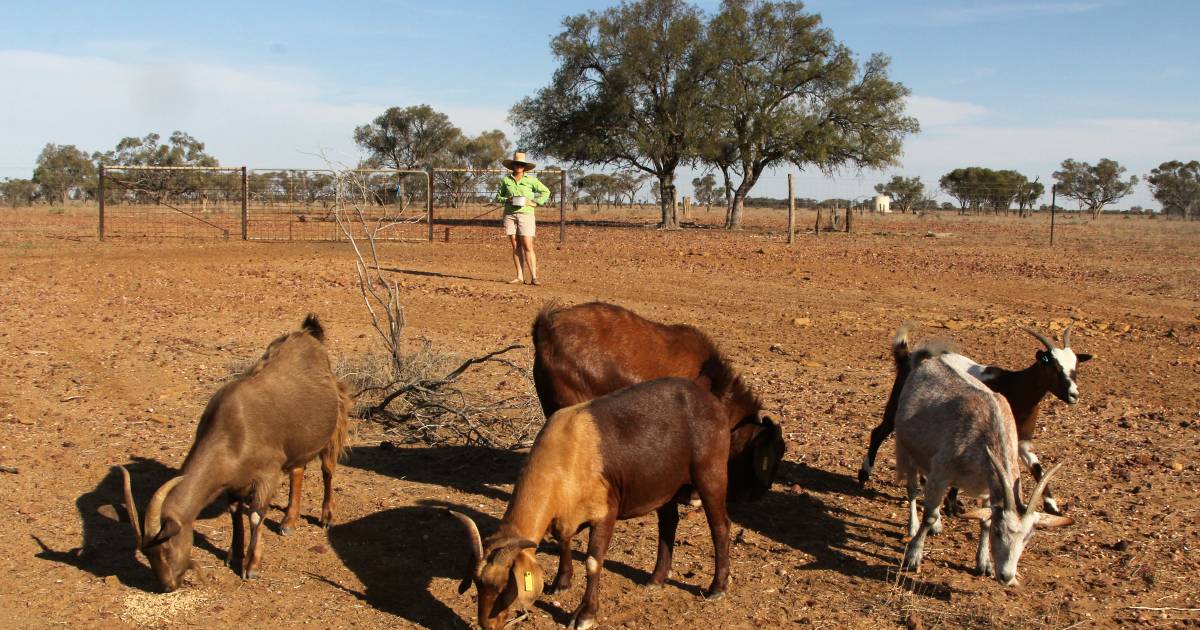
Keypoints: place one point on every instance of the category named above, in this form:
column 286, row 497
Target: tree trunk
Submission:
column 733, row 219
column 666, row 201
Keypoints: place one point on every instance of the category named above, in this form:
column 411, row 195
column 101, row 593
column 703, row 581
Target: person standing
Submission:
column 521, row 193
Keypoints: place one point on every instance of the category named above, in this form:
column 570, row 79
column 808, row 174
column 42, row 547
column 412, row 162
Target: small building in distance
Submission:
column 883, row 204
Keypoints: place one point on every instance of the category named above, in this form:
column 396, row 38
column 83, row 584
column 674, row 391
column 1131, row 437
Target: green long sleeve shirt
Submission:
column 528, row 187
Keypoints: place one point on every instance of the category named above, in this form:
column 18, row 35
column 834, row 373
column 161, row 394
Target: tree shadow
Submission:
column 108, row 547
column 464, row 468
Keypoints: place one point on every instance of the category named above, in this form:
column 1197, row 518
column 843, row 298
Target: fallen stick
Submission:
column 1163, row 609
column 10, row 470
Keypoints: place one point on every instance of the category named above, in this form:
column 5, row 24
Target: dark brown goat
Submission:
column 613, row 458
column 277, row 417
column 593, row 349
column 1053, row 371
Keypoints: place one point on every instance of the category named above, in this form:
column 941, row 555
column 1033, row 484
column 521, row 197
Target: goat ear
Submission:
column 465, row 584
column 979, row 514
column 1050, row 520
column 170, row 527
column 1083, row 358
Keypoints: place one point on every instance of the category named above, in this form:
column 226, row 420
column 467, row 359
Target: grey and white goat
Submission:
column 954, row 430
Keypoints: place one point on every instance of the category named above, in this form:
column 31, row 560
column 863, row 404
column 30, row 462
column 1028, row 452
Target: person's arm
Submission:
column 501, row 193
column 541, row 192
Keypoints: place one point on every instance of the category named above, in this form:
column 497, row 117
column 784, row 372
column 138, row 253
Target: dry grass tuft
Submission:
column 153, row 609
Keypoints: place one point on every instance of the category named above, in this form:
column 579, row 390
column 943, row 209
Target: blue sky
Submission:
column 1021, row 84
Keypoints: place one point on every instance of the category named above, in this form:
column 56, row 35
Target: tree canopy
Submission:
column 63, row 168
column 780, row 88
column 409, row 138
column 1176, row 186
column 906, row 192
column 1094, row 186
column 983, row 189
column 624, row 92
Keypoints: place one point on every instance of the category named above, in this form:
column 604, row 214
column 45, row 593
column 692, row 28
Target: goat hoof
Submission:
column 582, row 623
column 285, row 530
column 863, row 476
column 1051, row 507
column 250, row 574
column 713, row 597
column 556, row 587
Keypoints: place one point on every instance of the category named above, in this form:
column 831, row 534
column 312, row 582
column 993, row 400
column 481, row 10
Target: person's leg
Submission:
column 514, row 240
column 530, row 258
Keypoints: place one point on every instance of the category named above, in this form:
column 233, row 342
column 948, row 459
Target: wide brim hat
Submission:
column 518, row 158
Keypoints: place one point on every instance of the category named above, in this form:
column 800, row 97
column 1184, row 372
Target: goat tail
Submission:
column 900, row 345
column 339, row 442
column 541, row 323
column 313, row 326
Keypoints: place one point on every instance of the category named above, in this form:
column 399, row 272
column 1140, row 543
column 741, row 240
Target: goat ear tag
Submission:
column 528, row 581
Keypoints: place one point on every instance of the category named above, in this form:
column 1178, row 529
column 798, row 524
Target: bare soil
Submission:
column 109, row 351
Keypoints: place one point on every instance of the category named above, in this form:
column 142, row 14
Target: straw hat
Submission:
column 518, row 158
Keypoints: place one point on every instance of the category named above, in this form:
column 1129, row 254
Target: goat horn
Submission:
column 476, row 542
column 1010, row 501
column 131, row 508
column 1067, row 336
column 1040, row 337
column 154, row 510
column 1036, row 497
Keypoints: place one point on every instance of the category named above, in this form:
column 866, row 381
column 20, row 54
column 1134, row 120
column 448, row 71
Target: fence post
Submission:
column 246, row 206
column 100, row 191
column 429, row 200
column 562, row 207
column 791, row 208
column 849, row 213
column 1053, row 200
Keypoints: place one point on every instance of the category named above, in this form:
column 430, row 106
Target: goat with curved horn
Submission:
column 1067, row 335
column 287, row 411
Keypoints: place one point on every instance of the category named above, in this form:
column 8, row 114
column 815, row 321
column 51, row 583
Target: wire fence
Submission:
column 442, row 204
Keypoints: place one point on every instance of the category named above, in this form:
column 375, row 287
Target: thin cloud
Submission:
column 986, row 11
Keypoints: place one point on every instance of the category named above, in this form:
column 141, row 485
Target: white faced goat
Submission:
column 951, row 428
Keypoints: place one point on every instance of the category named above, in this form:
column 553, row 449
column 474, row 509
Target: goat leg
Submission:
column 562, row 579
column 254, row 553
column 668, row 522
column 983, row 556
column 598, row 539
column 1031, row 461
column 328, row 466
column 952, row 505
column 935, row 491
column 292, row 514
column 878, row 435
column 237, row 547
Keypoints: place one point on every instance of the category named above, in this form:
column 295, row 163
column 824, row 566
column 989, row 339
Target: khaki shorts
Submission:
column 520, row 224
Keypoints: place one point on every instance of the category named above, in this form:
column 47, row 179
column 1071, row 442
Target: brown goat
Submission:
column 613, row 458
column 589, row 350
column 287, row 409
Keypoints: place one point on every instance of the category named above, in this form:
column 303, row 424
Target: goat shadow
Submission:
column 108, row 547
column 824, row 532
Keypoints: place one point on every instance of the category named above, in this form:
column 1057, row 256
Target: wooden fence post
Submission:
column 100, row 191
column 1053, row 201
column 562, row 207
column 246, row 205
column 849, row 213
column 791, row 209
column 429, row 201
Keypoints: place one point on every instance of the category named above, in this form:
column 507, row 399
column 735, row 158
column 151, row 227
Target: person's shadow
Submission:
column 108, row 545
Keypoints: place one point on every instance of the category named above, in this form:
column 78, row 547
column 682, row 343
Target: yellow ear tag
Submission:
column 528, row 580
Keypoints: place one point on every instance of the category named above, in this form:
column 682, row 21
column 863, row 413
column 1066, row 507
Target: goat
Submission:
column 288, row 408
column 1053, row 371
column 616, row 457
column 593, row 349
column 954, row 430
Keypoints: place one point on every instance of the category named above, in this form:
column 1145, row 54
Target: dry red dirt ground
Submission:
column 109, row 351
